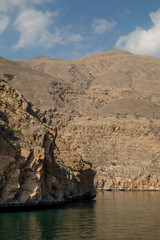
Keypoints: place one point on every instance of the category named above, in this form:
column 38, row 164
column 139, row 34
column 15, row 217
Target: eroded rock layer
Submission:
column 33, row 169
column 106, row 107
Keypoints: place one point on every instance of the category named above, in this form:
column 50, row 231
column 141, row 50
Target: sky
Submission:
column 70, row 29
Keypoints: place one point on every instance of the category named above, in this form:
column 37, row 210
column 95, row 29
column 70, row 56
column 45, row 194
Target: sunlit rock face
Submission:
column 106, row 108
column 31, row 171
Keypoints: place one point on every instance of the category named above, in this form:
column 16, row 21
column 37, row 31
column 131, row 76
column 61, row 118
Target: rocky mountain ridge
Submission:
column 106, row 107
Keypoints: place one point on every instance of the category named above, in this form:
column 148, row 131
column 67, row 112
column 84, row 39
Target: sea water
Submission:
column 111, row 215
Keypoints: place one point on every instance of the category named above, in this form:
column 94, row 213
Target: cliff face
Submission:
column 107, row 109
column 31, row 170
column 125, row 150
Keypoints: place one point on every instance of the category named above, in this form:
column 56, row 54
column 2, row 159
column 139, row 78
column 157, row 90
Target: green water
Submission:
column 112, row 215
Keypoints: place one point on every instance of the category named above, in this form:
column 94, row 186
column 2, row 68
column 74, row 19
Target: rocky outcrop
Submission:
column 30, row 170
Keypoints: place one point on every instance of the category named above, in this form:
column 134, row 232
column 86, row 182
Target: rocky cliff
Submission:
column 106, row 107
column 124, row 149
column 33, row 168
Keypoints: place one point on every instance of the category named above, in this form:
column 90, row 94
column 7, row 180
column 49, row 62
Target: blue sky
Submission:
column 70, row 29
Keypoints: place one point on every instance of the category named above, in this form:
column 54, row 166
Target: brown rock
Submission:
column 27, row 158
column 106, row 109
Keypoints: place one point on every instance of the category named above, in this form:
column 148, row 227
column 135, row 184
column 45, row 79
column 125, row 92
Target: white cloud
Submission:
column 11, row 5
column 49, row 40
column 36, row 28
column 6, row 5
column 38, row 1
column 4, row 22
column 100, row 26
column 62, row 37
column 74, row 37
column 32, row 25
column 143, row 41
column 126, row 12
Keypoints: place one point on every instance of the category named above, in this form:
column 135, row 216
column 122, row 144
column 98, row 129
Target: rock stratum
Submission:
column 106, row 107
column 33, row 168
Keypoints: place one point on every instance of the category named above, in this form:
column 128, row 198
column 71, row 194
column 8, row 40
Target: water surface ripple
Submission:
column 113, row 215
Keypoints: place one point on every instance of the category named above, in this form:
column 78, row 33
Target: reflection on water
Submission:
column 128, row 215
column 113, row 215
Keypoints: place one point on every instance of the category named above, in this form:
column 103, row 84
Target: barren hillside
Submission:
column 107, row 108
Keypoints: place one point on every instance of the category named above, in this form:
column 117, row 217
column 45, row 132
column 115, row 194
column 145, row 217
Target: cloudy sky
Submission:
column 70, row 29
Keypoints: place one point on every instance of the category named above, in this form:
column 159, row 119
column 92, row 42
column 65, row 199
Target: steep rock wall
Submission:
column 29, row 171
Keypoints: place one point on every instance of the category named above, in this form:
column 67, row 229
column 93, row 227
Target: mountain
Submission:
column 106, row 107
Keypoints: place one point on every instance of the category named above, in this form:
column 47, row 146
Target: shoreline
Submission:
column 25, row 207
column 7, row 208
column 129, row 190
